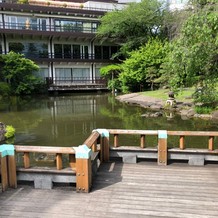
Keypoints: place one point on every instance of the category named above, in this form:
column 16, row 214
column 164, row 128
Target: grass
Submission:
column 184, row 95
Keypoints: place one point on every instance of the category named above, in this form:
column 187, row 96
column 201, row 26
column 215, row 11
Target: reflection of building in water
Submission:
column 73, row 115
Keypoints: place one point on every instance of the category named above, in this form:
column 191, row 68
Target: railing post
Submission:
column 116, row 144
column 142, row 141
column 12, row 174
column 4, row 169
column 182, row 142
column 104, row 145
column 211, row 143
column 26, row 159
column 72, row 161
column 8, row 167
column 83, row 168
column 59, row 164
column 162, row 147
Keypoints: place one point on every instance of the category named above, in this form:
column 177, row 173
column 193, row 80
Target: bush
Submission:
column 10, row 132
column 203, row 110
column 5, row 89
column 207, row 96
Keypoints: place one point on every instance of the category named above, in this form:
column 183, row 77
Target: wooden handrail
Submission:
column 142, row 133
column 40, row 149
column 91, row 140
column 182, row 134
column 133, row 132
column 44, row 149
column 192, row 133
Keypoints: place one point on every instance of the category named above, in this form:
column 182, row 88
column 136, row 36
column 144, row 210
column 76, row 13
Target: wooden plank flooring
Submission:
column 124, row 190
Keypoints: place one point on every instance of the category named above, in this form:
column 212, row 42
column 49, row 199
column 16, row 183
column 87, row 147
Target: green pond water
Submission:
column 67, row 120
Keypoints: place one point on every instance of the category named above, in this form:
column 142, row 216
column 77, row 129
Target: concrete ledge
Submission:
column 46, row 180
column 195, row 160
column 193, row 156
column 129, row 159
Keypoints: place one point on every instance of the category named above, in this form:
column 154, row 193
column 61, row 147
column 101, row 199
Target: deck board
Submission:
column 124, row 190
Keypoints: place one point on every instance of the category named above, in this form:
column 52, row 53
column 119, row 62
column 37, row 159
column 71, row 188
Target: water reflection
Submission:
column 68, row 120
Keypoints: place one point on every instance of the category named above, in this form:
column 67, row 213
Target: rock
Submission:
column 2, row 131
column 157, row 114
column 205, row 116
column 184, row 112
column 153, row 115
column 156, row 107
column 214, row 115
column 190, row 113
column 187, row 104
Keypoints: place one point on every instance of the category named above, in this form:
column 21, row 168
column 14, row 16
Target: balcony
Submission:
column 67, row 57
column 76, row 84
column 46, row 28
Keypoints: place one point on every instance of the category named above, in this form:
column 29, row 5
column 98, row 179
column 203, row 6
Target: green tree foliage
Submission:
column 17, row 71
column 111, row 73
column 143, row 66
column 194, row 57
column 134, row 25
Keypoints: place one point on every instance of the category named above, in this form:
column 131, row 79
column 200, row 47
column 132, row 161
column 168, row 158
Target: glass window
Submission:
column 98, row 52
column 34, row 24
column 81, row 74
column 43, row 73
column 43, row 25
column 16, row 47
column 97, row 72
column 58, row 51
column 114, row 50
column 76, row 51
column 106, row 53
column 1, row 46
column 94, row 27
column 67, row 51
column 63, row 74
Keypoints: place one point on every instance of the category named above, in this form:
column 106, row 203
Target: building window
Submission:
column 71, row 51
column 29, row 49
column 42, row 73
column 16, row 47
column 72, row 74
column 68, row 26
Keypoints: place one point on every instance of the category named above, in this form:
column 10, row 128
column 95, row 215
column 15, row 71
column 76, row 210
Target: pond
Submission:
column 68, row 119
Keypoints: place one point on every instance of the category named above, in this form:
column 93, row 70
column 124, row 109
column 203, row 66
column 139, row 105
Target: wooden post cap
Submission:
column 162, row 134
column 82, row 151
column 6, row 150
column 102, row 132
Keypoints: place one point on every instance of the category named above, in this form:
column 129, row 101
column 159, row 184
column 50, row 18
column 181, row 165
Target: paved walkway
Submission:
column 124, row 190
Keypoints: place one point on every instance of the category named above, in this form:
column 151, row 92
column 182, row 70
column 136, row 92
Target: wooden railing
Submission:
column 98, row 142
column 82, row 167
column 58, row 151
column 164, row 152
column 182, row 134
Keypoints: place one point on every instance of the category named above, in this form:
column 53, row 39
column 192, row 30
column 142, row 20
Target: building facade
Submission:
column 60, row 37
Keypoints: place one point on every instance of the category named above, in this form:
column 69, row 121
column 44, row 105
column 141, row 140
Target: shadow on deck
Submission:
column 124, row 190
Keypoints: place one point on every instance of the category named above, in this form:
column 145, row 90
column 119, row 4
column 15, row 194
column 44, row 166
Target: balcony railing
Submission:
column 65, row 56
column 69, row 5
column 68, row 81
column 42, row 27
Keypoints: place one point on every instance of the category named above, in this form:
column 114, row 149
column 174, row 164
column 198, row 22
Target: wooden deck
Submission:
column 124, row 190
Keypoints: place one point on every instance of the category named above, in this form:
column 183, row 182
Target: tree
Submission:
column 17, row 71
column 111, row 72
column 194, row 57
column 143, row 65
column 134, row 25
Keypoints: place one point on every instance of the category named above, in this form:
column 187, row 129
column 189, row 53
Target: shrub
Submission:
column 203, row 110
column 10, row 132
column 5, row 89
